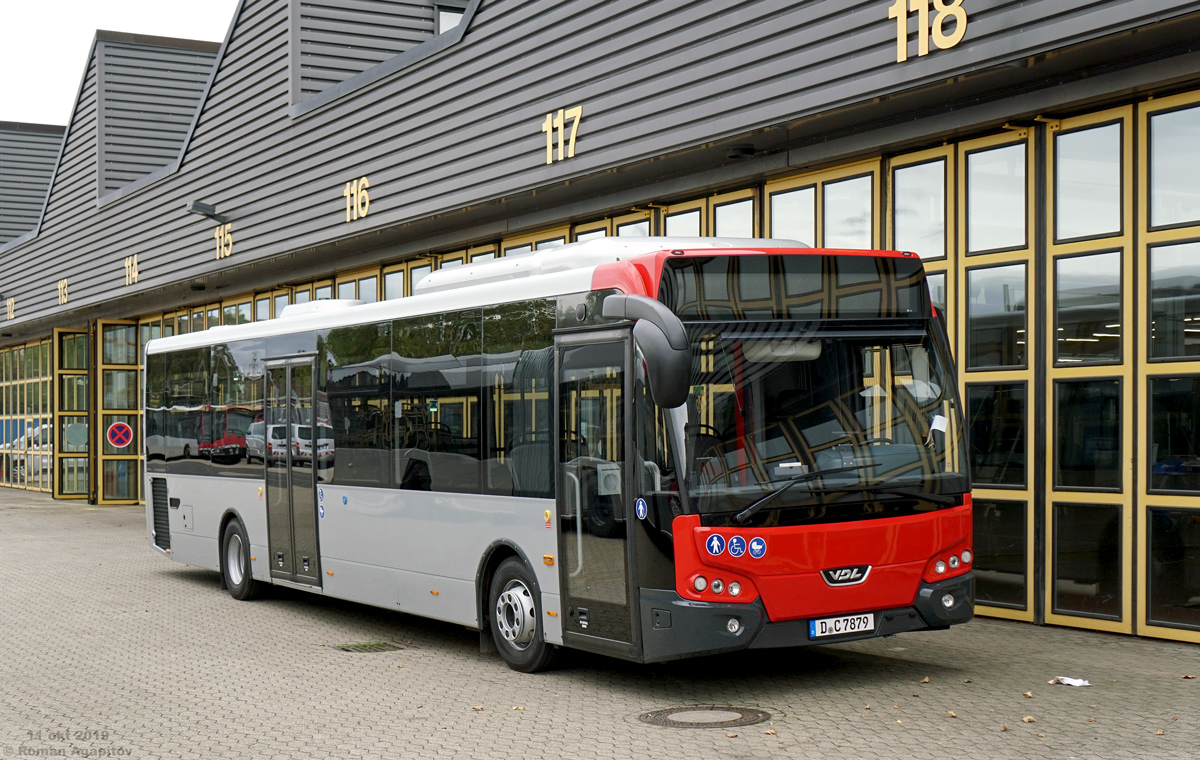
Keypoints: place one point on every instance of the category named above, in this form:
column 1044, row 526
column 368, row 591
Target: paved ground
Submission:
column 98, row 634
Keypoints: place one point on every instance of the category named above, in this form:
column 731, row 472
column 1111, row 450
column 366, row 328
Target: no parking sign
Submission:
column 120, row 435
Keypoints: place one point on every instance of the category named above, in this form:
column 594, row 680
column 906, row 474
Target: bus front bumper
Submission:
column 674, row 628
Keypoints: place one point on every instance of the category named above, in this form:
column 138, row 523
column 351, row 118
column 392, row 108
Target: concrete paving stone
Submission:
column 96, row 631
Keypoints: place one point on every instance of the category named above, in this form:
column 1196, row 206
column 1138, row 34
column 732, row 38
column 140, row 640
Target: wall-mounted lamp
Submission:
column 205, row 209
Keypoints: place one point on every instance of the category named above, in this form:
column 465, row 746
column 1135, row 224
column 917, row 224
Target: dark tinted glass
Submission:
column 237, row 404
column 436, row 402
column 185, row 396
column 1175, row 433
column 359, row 374
column 1174, row 562
column 1087, row 304
column 518, row 348
column 1174, row 300
column 996, row 427
column 1087, row 560
column 1000, row 552
column 1087, row 446
column 996, row 332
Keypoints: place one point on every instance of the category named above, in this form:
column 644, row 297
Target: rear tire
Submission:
column 235, row 562
column 516, row 619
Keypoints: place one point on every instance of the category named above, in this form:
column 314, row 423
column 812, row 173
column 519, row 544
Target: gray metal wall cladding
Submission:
column 148, row 97
column 27, row 156
column 464, row 126
column 336, row 39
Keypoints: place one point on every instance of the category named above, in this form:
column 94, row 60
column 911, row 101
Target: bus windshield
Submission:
column 870, row 405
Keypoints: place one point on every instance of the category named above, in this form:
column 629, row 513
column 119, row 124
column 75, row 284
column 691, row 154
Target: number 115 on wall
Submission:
column 944, row 11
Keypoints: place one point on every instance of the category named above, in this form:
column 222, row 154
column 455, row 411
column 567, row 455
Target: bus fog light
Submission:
column 718, row 586
column 700, row 583
column 734, row 625
column 953, row 561
column 967, row 557
column 947, row 600
column 940, row 567
column 735, row 588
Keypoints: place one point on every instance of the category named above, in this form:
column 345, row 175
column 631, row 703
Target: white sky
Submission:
column 46, row 45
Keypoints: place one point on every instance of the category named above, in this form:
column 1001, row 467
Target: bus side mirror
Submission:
column 663, row 341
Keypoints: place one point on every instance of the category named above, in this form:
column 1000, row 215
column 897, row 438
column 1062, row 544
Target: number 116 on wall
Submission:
column 944, row 12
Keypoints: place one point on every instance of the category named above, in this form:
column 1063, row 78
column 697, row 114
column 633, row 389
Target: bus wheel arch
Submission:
column 233, row 559
column 505, row 571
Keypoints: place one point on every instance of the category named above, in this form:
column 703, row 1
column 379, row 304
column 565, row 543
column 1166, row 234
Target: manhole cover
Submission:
column 374, row 646
column 704, row 717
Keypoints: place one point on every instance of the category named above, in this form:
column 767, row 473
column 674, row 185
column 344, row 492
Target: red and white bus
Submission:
column 648, row 448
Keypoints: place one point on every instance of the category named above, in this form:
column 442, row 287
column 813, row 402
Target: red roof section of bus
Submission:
column 640, row 275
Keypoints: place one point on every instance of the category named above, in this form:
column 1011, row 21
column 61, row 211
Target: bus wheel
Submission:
column 235, row 562
column 516, row 621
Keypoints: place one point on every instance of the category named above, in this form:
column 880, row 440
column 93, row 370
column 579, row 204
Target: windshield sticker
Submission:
column 939, row 423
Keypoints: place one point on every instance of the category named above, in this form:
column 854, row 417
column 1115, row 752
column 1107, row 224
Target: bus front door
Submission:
column 291, row 490
column 594, row 487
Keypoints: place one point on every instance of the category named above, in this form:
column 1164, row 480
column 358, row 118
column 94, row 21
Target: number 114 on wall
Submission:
column 943, row 13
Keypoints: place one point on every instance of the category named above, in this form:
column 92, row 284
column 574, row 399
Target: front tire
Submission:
column 516, row 620
column 235, row 562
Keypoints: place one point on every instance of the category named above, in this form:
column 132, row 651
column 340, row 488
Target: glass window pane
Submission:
column 262, row 311
column 684, row 224
column 996, row 428
column 73, row 435
column 1087, row 445
column 734, row 219
column 1175, row 433
column 368, row 289
column 1087, row 559
column 418, row 274
column 120, row 344
column 451, row 263
column 323, row 292
column 481, row 257
column 120, row 479
column 393, row 285
column 579, row 238
column 996, row 198
column 937, row 290
column 1174, row 567
column 301, row 296
column 120, row 389
column 999, row 542
column 229, row 314
column 129, row 419
column 1174, row 166
column 1087, row 182
column 794, row 215
column 634, row 229
column 243, row 315
column 73, row 393
column 849, row 221
column 551, row 243
column 919, row 216
column 347, row 290
column 281, row 301
column 1087, row 305
column 448, row 19
column 1175, row 300
column 214, row 318
column 519, row 250
column 996, row 317
column 73, row 475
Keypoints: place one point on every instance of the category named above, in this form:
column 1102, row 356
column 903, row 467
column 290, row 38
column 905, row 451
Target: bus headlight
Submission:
column 953, row 561
column 940, row 567
column 735, row 589
column 718, row 586
column 966, row 555
column 700, row 583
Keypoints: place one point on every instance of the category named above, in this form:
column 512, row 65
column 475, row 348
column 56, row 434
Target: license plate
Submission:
column 837, row 626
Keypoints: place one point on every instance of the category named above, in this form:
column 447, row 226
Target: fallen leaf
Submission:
column 900, row 722
column 916, row 695
column 1004, row 728
column 868, row 707
column 925, row 679
column 771, row 732
column 967, row 681
column 991, row 711
column 731, row 736
column 399, row 666
column 1159, row 732
column 952, row 714
column 1091, row 720
column 477, row 707
column 1027, row 694
column 1189, row 676
column 1041, row 736
column 518, row 708
column 895, row 707
column 1029, row 719
column 1174, row 719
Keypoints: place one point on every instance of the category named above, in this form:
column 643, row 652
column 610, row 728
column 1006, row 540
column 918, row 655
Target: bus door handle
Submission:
column 578, row 523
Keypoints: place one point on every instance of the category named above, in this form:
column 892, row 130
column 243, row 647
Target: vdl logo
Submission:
column 846, row 576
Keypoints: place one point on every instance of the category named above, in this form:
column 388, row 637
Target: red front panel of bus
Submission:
column 901, row 552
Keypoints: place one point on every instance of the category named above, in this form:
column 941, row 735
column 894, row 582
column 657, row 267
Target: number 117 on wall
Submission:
column 943, row 12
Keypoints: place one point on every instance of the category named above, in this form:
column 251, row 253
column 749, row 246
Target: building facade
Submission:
column 1040, row 157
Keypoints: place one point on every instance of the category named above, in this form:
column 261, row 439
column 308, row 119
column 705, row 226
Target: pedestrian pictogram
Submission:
column 120, row 435
column 715, row 544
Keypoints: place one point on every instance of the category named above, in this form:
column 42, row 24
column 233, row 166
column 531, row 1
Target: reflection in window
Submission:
column 1174, row 166
column 323, row 292
column 346, row 290
column 448, row 18
column 937, row 290
column 368, row 289
column 794, row 215
column 920, row 209
column 1087, row 441
column 519, row 250
column 634, row 229
column 120, row 345
column 590, row 235
column 734, row 219
column 1087, row 305
column 1000, row 553
column 1087, row 560
column 1174, row 582
column 281, row 302
column 849, row 221
column 684, row 224
column 417, row 274
column 996, row 317
column 1087, row 182
column 1175, row 433
column 1175, row 300
column 996, row 198
column 393, row 285
column 996, row 430
column 359, row 372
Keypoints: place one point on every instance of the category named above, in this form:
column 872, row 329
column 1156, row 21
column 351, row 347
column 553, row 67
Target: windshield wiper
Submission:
column 744, row 516
column 936, row 498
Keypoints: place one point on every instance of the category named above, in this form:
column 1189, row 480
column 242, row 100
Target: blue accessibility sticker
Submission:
column 321, row 511
column 321, row 494
column 640, row 506
column 345, row 499
column 737, row 546
column 758, row 547
column 715, row 545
